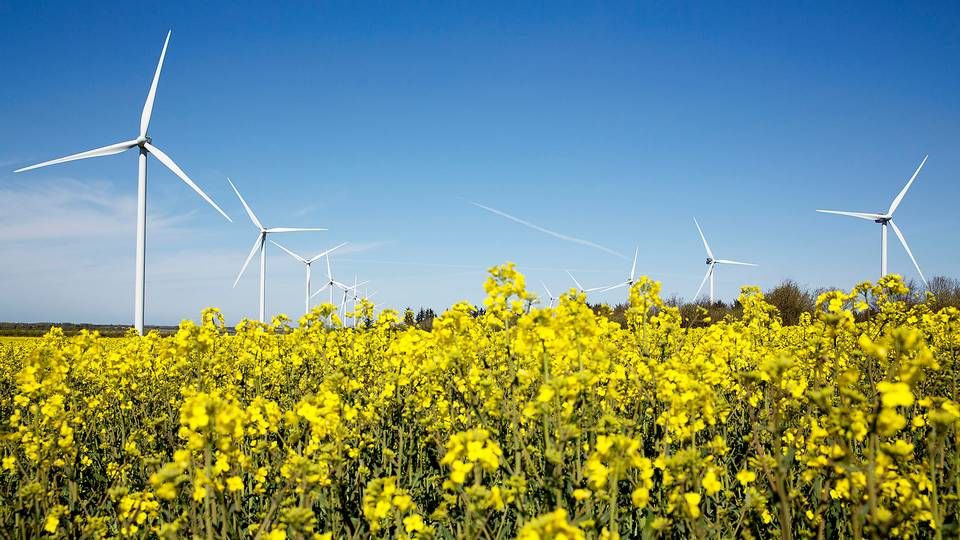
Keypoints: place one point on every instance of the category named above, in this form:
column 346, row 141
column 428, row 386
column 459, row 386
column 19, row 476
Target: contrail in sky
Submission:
column 551, row 233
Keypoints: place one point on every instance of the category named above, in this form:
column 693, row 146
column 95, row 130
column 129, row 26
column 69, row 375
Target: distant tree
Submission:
column 946, row 292
column 409, row 317
column 425, row 318
column 790, row 300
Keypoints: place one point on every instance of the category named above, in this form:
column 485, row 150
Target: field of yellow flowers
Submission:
column 520, row 422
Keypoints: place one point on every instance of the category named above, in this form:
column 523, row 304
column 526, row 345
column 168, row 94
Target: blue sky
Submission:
column 617, row 123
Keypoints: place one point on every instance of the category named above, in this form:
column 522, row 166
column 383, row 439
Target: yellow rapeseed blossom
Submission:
column 505, row 419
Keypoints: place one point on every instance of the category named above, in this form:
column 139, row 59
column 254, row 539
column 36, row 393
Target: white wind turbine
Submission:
column 307, row 263
column 145, row 145
column 261, row 244
column 883, row 220
column 712, row 263
column 550, row 297
column 580, row 287
column 354, row 298
column 633, row 271
column 330, row 283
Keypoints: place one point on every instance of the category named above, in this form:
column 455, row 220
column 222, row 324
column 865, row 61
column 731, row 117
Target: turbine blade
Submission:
column 293, row 229
column 862, row 215
column 327, row 252
column 329, row 272
column 617, row 286
column 292, row 254
column 253, row 217
column 579, row 286
column 633, row 269
column 321, row 289
column 148, row 105
column 727, row 261
column 96, row 152
column 907, row 249
column 549, row 294
column 256, row 246
column 896, row 202
column 165, row 159
column 703, row 282
column 704, row 238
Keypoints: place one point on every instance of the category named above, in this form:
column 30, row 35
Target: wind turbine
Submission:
column 307, row 263
column 550, row 297
column 261, row 244
column 711, row 264
column 331, row 283
column 145, row 145
column 883, row 220
column 633, row 271
column 343, row 303
column 580, row 287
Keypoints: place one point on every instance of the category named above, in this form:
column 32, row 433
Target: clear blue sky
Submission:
column 616, row 123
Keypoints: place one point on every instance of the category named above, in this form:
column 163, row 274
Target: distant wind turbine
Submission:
column 261, row 244
column 354, row 299
column 307, row 263
column 711, row 264
column 633, row 271
column 145, row 145
column 331, row 283
column 580, row 287
column 550, row 297
column 883, row 220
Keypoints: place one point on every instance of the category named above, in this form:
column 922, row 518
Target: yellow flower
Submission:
column 711, row 484
column 459, row 473
column 693, row 504
column 895, row 394
column 277, row 534
column 52, row 523
column 413, row 523
column 746, row 477
column 581, row 494
column 234, row 483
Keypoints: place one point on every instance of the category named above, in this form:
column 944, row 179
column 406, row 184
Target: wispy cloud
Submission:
column 350, row 248
column 67, row 208
column 554, row 234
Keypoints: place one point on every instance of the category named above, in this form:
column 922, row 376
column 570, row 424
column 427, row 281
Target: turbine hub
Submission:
column 144, row 140
column 882, row 220
column 709, row 260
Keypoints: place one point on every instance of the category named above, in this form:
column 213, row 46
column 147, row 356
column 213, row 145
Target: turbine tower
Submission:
column 884, row 220
column 261, row 244
column 144, row 144
column 307, row 263
column 712, row 263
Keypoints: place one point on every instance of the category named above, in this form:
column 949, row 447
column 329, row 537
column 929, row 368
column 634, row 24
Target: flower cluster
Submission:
column 510, row 420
